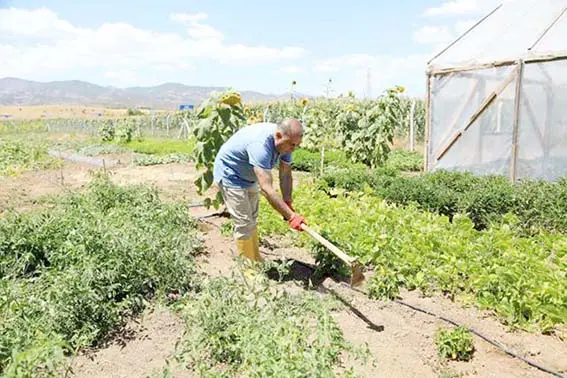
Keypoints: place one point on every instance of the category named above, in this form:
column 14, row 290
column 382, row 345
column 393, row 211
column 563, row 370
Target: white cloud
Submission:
column 351, row 60
column 188, row 17
column 40, row 23
column 117, row 47
column 351, row 72
column 291, row 69
column 122, row 76
column 454, row 7
column 462, row 26
column 433, row 35
column 195, row 28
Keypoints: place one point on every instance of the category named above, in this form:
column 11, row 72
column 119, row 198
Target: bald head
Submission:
column 291, row 127
column 288, row 135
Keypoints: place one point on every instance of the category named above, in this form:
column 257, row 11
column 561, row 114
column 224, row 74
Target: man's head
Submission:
column 288, row 135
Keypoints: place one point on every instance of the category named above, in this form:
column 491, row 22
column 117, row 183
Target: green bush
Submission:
column 485, row 199
column 403, row 160
column 310, row 161
column 72, row 273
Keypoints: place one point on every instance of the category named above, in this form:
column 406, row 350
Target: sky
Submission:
column 360, row 46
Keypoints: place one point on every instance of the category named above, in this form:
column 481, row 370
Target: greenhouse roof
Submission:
column 516, row 29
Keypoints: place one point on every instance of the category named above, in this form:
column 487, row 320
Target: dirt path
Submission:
column 400, row 339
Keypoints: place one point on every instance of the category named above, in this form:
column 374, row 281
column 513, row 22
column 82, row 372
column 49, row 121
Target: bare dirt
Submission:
column 59, row 111
column 399, row 338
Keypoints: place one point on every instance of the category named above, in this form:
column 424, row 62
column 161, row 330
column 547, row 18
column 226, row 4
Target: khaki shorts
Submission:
column 242, row 205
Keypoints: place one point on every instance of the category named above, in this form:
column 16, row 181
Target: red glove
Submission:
column 288, row 203
column 296, row 221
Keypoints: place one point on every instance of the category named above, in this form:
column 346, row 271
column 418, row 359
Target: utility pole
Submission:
column 328, row 88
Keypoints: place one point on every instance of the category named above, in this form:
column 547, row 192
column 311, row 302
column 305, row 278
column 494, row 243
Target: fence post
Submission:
column 412, row 127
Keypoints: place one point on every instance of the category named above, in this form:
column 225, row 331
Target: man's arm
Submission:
column 286, row 181
column 266, row 185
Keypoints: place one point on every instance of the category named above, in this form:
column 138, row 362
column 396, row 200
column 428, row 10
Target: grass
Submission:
column 161, row 147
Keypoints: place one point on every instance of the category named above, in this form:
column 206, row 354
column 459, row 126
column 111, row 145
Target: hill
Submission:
column 14, row 91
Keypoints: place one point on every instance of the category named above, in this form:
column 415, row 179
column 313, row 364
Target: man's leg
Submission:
column 238, row 205
column 254, row 205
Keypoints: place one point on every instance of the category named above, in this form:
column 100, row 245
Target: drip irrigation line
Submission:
column 472, row 330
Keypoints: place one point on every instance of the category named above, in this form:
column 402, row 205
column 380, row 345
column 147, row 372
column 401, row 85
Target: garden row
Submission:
column 78, row 269
column 522, row 279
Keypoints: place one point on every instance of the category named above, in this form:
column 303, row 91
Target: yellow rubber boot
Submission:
column 246, row 248
column 256, row 245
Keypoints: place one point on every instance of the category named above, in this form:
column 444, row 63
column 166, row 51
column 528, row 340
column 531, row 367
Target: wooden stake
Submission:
column 427, row 124
column 513, row 165
column 495, row 93
column 527, row 59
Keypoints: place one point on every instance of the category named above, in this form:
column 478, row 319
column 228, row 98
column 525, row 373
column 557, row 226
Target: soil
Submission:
column 400, row 339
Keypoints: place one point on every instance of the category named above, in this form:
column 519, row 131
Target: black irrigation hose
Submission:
column 503, row 349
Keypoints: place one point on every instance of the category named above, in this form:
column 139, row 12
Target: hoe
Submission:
column 356, row 275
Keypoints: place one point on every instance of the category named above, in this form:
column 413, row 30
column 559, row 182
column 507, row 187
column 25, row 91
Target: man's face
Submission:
column 287, row 143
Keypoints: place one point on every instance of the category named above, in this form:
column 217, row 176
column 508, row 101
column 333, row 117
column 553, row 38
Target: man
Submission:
column 245, row 160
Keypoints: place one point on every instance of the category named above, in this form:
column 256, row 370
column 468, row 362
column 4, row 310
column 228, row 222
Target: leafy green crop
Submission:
column 255, row 329
column 456, row 344
column 72, row 273
column 522, row 279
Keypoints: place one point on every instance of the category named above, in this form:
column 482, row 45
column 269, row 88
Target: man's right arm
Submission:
column 266, row 185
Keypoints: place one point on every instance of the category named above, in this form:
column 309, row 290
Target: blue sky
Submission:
column 255, row 45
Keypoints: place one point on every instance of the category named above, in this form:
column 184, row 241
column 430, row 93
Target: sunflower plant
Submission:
column 218, row 118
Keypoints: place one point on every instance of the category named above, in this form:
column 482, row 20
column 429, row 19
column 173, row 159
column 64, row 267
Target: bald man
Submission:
column 244, row 163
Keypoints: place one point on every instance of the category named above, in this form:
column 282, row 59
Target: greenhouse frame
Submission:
column 497, row 96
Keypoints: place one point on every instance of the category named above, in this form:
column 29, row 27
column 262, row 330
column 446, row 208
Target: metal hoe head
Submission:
column 356, row 275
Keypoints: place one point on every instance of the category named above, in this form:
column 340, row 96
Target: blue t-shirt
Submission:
column 252, row 146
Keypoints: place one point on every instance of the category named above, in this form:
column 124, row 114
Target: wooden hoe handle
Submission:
column 340, row 254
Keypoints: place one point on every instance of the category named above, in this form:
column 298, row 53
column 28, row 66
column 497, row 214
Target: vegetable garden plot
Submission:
column 521, row 279
column 74, row 272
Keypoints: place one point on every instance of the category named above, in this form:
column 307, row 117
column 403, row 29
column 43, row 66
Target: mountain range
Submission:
column 15, row 91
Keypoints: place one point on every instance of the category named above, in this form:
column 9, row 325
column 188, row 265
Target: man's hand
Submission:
column 296, row 221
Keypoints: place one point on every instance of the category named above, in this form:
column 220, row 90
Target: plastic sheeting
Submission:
column 509, row 33
column 518, row 30
column 542, row 131
column 486, row 146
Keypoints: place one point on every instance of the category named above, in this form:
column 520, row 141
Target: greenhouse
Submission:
column 497, row 95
